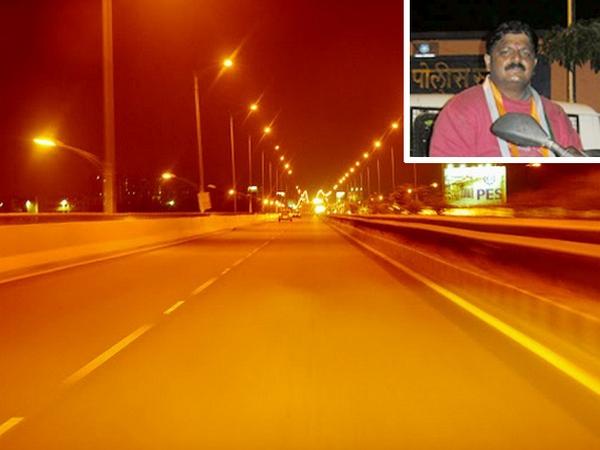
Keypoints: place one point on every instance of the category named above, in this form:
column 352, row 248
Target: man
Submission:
column 463, row 126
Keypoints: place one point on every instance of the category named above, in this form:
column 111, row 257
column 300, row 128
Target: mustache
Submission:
column 515, row 65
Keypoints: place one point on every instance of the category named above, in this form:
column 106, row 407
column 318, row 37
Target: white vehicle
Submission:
column 424, row 108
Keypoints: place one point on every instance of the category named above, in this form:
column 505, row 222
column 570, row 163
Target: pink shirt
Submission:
column 463, row 126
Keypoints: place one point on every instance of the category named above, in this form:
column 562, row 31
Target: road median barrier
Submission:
column 35, row 246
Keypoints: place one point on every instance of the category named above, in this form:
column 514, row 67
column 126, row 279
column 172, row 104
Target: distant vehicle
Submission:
column 424, row 109
column 296, row 213
column 285, row 215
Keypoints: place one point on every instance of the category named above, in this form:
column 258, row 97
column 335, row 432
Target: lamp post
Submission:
column 249, row 173
column 166, row 176
column 201, row 194
column 252, row 108
column 203, row 197
column 266, row 131
column 90, row 157
column 108, row 185
column 395, row 126
column 232, row 146
column 378, row 177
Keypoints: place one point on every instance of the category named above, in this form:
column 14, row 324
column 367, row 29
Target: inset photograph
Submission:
column 516, row 91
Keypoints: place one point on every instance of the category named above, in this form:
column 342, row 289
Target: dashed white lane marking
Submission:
column 101, row 359
column 238, row 262
column 174, row 307
column 203, row 286
column 570, row 369
column 98, row 361
column 10, row 423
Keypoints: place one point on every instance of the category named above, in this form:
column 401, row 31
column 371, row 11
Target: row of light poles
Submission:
column 355, row 168
column 107, row 166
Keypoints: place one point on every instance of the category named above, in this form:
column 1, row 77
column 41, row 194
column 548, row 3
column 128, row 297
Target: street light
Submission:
column 203, row 197
column 252, row 108
column 395, row 126
column 168, row 176
column 50, row 143
column 53, row 143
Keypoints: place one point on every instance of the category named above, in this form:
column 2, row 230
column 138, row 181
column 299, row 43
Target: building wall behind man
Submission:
column 587, row 81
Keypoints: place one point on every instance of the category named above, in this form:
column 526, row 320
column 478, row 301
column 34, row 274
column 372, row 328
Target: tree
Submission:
column 575, row 45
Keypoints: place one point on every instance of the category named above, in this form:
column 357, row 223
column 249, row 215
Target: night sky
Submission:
column 328, row 71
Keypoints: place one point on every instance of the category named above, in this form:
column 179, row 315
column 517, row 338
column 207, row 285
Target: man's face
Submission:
column 512, row 61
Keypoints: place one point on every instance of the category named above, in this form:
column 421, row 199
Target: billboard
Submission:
column 475, row 185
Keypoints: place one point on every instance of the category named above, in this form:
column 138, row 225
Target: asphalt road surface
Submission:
column 279, row 336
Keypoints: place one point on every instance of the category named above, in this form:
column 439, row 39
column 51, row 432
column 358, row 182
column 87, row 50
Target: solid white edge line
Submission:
column 9, row 424
column 562, row 364
column 225, row 271
column 203, row 286
column 174, row 307
column 101, row 359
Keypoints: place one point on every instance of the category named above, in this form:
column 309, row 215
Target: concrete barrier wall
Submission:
column 34, row 245
column 547, row 320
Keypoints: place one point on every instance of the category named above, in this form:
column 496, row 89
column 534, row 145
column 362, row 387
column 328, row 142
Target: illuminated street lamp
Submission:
column 168, row 176
column 366, row 155
column 46, row 142
column 395, row 126
column 203, row 198
column 49, row 143
column 252, row 108
column 266, row 131
column 377, row 144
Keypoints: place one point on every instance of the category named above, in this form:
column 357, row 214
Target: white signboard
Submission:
column 475, row 185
